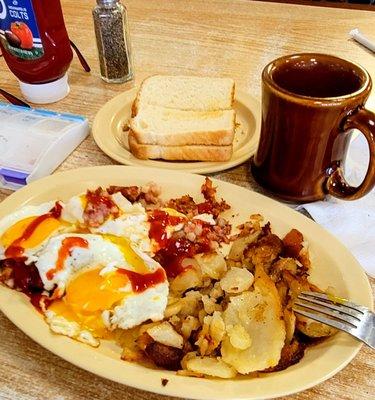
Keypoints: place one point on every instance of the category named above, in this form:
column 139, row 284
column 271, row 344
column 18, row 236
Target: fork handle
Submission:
column 369, row 336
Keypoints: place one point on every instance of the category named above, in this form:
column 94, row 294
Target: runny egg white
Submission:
column 131, row 223
column 102, row 283
column 26, row 231
column 98, row 281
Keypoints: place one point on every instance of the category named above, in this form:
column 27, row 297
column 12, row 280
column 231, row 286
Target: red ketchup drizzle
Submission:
column 56, row 210
column 25, row 278
column 97, row 199
column 15, row 250
column 159, row 220
column 172, row 251
column 171, row 257
column 65, row 251
column 98, row 208
column 141, row 282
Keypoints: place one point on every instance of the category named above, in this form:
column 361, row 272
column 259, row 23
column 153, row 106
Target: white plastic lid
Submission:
column 45, row 93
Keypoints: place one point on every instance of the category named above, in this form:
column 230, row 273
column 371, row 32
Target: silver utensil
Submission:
column 349, row 317
column 302, row 210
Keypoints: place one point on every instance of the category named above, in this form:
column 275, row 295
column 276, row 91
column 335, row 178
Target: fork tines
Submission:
column 338, row 313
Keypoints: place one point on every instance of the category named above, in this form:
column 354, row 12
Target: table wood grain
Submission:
column 212, row 37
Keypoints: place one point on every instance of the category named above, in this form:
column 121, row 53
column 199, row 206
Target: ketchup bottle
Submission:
column 35, row 45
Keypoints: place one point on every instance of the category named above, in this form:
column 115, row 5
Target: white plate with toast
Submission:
column 111, row 135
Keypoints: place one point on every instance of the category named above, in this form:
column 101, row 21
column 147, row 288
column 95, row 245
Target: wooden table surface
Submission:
column 212, row 37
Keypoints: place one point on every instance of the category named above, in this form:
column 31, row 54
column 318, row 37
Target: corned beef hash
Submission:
column 121, row 264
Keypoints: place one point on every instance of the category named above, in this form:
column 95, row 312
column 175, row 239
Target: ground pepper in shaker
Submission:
column 112, row 38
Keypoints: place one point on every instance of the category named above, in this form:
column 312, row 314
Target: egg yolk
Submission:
column 131, row 257
column 174, row 213
column 87, row 296
column 29, row 232
column 83, row 200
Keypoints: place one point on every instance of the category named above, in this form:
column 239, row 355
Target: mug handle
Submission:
column 363, row 120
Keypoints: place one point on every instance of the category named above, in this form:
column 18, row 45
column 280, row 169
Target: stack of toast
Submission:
column 183, row 118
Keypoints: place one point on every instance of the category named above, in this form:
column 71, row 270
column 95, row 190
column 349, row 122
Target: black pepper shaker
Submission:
column 112, row 39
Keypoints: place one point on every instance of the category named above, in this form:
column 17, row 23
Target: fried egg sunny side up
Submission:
column 95, row 282
column 102, row 283
column 25, row 232
column 130, row 222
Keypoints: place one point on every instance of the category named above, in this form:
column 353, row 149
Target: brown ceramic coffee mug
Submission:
column 310, row 105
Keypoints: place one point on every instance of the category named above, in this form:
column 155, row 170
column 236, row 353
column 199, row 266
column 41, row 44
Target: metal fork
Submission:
column 349, row 317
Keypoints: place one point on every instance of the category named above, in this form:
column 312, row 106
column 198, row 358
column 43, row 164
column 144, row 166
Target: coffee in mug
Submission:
column 310, row 105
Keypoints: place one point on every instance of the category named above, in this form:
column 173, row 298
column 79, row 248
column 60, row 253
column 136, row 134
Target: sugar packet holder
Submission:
column 34, row 142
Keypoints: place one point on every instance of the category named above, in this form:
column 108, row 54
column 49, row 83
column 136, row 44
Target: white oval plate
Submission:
column 109, row 135
column 333, row 265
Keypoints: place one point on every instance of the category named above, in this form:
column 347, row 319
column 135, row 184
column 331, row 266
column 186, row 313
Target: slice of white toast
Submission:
column 186, row 153
column 170, row 127
column 185, row 93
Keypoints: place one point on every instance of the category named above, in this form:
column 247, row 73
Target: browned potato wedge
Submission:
column 190, row 278
column 260, row 313
column 240, row 244
column 312, row 328
column 164, row 356
column 236, row 280
column 290, row 355
column 165, row 334
column 298, row 284
column 212, row 265
column 211, row 367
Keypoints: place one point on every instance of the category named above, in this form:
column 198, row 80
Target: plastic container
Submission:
column 36, row 47
column 42, row 139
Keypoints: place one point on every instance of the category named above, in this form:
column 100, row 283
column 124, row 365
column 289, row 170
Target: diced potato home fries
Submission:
column 232, row 315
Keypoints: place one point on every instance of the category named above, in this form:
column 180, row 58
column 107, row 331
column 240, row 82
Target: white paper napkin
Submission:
column 352, row 222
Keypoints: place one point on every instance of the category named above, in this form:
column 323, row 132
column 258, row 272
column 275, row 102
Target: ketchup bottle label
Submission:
column 19, row 33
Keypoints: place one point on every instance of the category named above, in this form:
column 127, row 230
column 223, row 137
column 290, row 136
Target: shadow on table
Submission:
column 354, row 4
